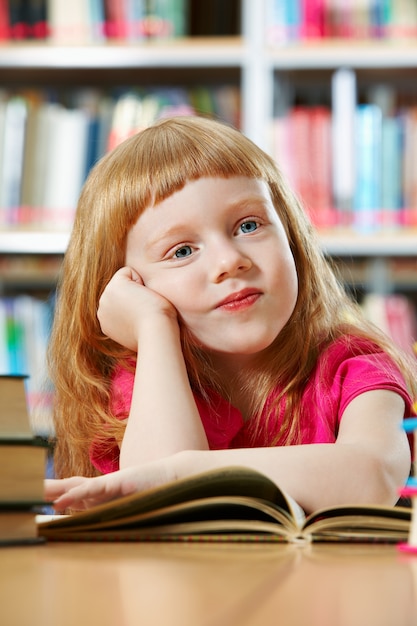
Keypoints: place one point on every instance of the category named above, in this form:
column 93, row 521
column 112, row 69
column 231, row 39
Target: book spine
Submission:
column 13, row 156
column 321, row 204
column 135, row 15
column 69, row 22
column 66, row 168
column 312, row 19
column 97, row 19
column 284, row 20
column 367, row 199
column 115, row 19
column 34, row 17
column 343, row 134
column 4, row 21
column 391, row 171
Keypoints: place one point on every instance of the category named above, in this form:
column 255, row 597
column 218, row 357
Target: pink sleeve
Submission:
column 368, row 372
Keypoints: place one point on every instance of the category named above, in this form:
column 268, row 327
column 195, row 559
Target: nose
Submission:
column 228, row 261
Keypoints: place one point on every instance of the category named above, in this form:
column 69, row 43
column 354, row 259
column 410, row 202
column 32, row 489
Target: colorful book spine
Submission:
column 391, row 170
column 343, row 99
column 367, row 197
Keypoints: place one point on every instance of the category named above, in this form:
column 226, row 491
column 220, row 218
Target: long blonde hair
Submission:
column 146, row 169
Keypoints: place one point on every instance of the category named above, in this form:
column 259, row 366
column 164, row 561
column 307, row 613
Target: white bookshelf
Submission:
column 255, row 65
column 32, row 242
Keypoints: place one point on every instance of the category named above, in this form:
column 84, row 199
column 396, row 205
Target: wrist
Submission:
column 186, row 462
column 161, row 323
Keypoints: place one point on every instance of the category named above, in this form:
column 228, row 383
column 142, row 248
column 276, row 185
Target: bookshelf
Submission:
column 241, row 57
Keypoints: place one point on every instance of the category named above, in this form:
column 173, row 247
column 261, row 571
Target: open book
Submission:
column 233, row 503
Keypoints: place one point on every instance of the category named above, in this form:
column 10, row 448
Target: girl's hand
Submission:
column 126, row 304
column 79, row 493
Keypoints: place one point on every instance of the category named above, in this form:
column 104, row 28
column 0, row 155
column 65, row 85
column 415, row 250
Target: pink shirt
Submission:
column 349, row 367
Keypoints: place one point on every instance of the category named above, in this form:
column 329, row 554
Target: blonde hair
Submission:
column 146, row 169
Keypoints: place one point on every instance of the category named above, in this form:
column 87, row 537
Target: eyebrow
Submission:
column 175, row 232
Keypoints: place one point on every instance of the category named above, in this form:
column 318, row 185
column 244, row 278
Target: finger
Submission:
column 130, row 273
column 135, row 276
column 91, row 492
column 53, row 488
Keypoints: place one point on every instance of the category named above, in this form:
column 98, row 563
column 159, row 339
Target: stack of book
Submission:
column 23, row 460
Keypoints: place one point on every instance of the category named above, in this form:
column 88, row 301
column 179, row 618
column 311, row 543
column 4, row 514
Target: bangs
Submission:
column 175, row 151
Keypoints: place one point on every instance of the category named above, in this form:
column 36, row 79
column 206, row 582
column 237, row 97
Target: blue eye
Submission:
column 183, row 252
column 249, row 227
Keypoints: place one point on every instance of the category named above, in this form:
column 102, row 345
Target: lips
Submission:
column 240, row 299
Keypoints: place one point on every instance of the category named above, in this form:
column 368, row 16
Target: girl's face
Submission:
column 218, row 252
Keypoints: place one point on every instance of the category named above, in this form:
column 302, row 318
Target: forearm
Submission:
column 315, row 475
column 163, row 418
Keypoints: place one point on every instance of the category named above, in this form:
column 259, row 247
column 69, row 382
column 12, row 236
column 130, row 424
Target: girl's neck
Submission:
column 232, row 374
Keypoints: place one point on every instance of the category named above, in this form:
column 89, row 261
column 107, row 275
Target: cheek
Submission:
column 168, row 286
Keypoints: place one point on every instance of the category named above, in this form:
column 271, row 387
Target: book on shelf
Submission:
column 233, row 503
column 302, row 150
column 391, row 169
column 69, row 22
column 312, row 25
column 65, row 167
column 24, row 332
column 283, row 20
column 394, row 314
column 343, row 98
column 12, row 157
column 4, row 20
column 367, row 197
column 26, row 19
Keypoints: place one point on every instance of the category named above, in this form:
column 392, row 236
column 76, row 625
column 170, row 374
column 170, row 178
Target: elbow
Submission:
column 387, row 475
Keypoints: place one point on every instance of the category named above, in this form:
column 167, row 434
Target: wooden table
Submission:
column 206, row 585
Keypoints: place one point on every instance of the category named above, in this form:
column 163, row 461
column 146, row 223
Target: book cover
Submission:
column 14, row 415
column 18, row 523
column 22, row 469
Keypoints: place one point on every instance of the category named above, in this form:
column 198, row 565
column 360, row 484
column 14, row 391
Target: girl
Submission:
column 198, row 325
